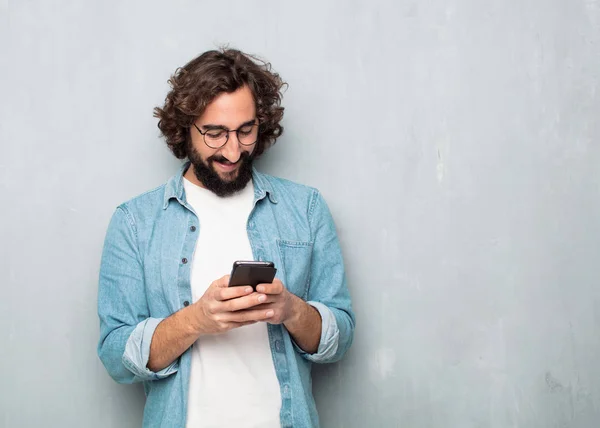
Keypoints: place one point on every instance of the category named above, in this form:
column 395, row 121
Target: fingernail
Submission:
column 248, row 290
column 269, row 313
column 262, row 298
column 260, row 288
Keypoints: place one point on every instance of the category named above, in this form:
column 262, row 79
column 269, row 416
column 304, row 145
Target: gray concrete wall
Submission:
column 457, row 143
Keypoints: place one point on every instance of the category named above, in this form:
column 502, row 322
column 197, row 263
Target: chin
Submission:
column 229, row 176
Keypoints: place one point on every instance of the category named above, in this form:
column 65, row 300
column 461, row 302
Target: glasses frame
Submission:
column 227, row 131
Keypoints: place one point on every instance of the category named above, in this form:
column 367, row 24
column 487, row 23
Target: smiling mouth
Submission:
column 226, row 165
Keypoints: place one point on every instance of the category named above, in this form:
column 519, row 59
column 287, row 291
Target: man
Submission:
column 210, row 355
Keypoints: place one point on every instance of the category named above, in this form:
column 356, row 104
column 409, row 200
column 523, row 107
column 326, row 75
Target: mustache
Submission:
column 222, row 159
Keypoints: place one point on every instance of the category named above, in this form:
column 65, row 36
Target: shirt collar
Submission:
column 174, row 188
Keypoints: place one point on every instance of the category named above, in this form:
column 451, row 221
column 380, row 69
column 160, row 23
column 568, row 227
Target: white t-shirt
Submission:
column 232, row 380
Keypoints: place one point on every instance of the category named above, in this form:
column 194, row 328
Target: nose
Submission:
column 232, row 149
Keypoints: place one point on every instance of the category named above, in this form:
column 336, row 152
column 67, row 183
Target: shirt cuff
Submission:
column 330, row 334
column 137, row 352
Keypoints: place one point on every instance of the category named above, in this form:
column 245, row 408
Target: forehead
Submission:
column 230, row 109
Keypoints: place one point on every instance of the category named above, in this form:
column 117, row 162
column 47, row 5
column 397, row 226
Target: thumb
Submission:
column 223, row 282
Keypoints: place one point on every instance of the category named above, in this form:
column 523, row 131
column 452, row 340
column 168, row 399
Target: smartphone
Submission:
column 245, row 272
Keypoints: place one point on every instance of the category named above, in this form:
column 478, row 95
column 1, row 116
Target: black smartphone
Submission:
column 245, row 272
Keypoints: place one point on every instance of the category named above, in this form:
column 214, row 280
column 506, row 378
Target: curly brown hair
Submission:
column 195, row 85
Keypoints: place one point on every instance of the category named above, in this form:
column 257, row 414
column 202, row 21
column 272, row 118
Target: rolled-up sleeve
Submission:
column 137, row 351
column 330, row 332
column 328, row 290
column 126, row 328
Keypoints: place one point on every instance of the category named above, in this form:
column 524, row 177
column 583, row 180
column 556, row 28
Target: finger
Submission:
column 270, row 299
column 265, row 306
column 244, row 302
column 222, row 282
column 241, row 324
column 250, row 315
column 223, row 294
column 275, row 288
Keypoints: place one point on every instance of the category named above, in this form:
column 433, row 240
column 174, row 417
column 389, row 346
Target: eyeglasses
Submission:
column 217, row 137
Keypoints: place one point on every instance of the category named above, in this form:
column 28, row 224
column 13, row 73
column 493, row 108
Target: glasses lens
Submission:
column 247, row 135
column 215, row 138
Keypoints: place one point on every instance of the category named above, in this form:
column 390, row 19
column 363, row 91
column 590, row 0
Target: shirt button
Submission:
column 193, row 228
column 184, row 260
column 251, row 224
column 278, row 345
column 186, row 303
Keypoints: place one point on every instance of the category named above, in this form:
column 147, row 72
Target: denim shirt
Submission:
column 145, row 277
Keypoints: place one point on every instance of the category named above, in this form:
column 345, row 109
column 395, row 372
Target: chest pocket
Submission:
column 295, row 263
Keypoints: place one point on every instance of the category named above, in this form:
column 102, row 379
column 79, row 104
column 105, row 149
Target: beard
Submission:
column 206, row 173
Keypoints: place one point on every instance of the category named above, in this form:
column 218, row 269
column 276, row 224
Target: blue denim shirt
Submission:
column 145, row 277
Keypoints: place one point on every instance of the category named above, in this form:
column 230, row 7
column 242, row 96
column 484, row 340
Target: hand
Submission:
column 301, row 320
column 223, row 308
column 280, row 305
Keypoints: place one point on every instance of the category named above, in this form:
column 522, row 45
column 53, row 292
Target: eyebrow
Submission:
column 210, row 126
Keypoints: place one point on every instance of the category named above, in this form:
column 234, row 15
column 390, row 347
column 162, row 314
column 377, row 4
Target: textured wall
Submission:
column 457, row 143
